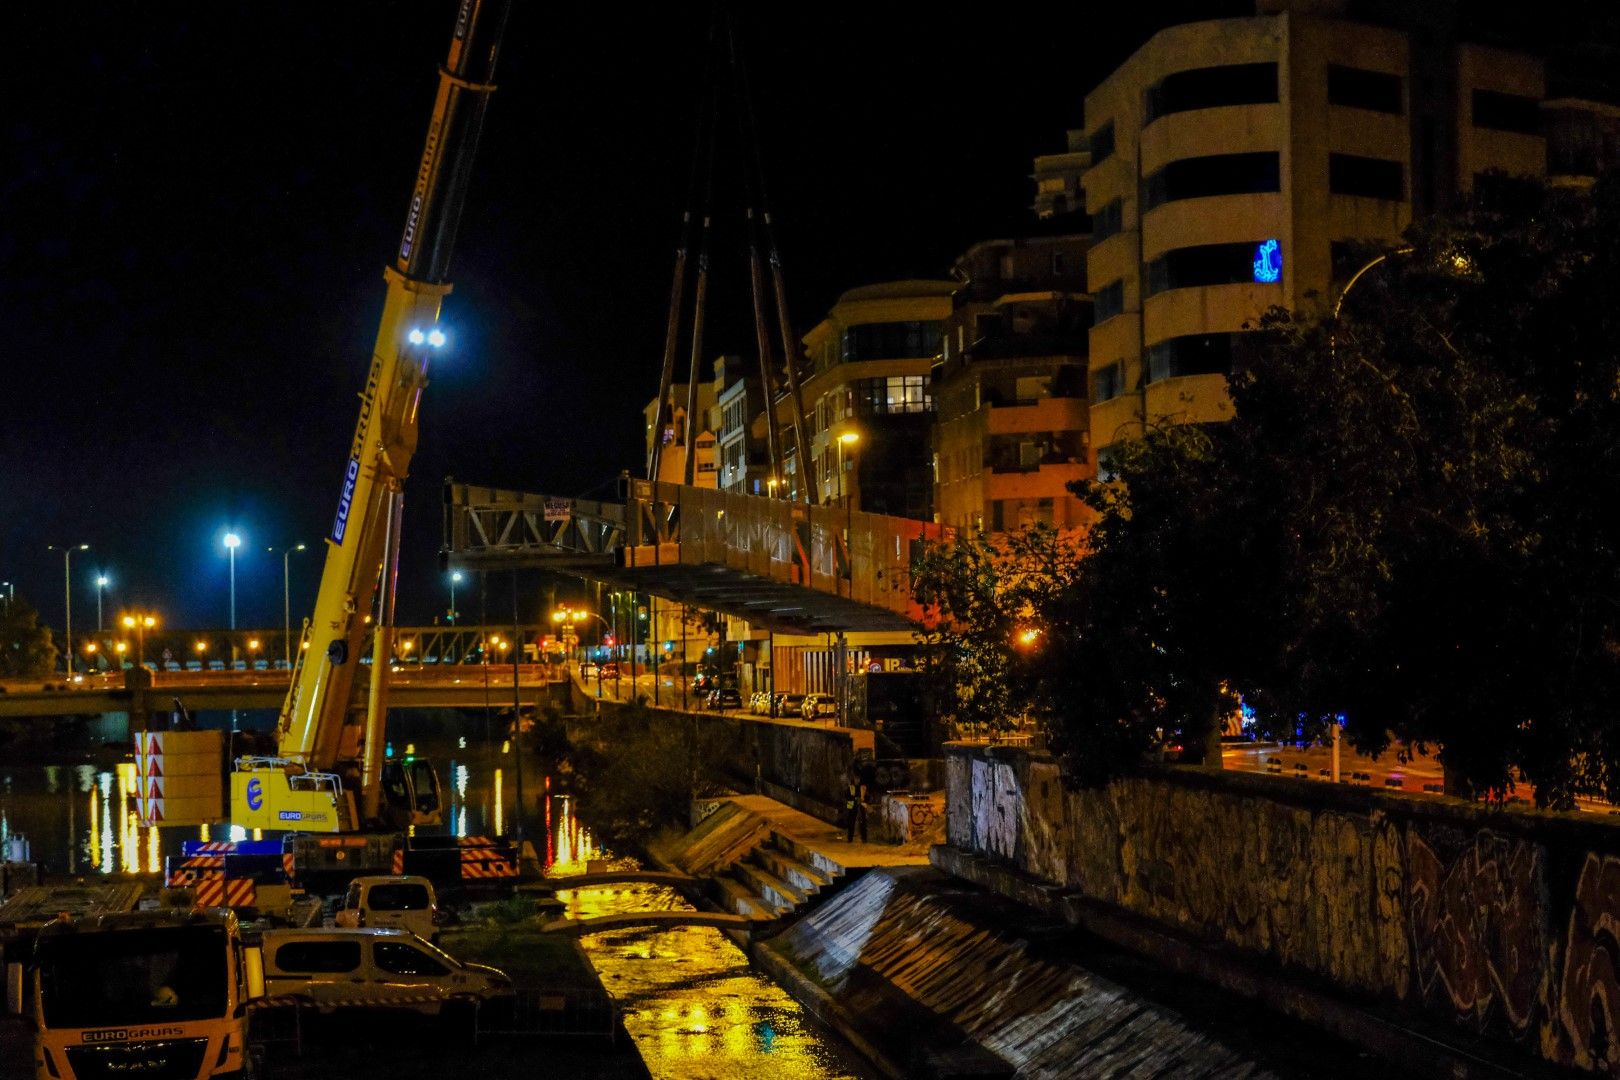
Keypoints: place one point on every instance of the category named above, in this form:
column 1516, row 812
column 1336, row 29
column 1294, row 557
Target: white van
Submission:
column 374, row 968
column 404, row 901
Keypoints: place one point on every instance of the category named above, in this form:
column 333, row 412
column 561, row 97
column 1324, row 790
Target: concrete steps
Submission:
column 780, row 875
column 805, row 878
column 755, row 864
column 782, row 897
column 723, row 839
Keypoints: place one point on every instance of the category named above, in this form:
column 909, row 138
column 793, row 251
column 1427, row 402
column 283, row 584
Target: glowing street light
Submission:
column 455, row 576
column 140, row 622
column 101, row 586
column 232, row 542
column 849, row 439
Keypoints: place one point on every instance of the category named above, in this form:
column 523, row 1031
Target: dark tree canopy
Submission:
column 26, row 648
column 1410, row 524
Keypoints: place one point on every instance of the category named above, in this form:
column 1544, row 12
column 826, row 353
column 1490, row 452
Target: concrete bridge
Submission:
column 141, row 693
column 656, row 919
column 790, row 567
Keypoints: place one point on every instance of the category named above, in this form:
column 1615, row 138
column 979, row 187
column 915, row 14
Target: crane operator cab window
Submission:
column 411, row 790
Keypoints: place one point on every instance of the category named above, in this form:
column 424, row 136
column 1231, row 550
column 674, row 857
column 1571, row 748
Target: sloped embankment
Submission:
column 931, row 974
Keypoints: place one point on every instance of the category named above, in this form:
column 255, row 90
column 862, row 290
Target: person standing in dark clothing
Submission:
column 855, row 804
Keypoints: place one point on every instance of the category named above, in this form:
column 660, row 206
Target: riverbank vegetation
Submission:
column 1409, row 527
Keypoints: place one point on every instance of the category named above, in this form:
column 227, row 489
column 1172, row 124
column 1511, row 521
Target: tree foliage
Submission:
column 980, row 593
column 634, row 771
column 27, row 650
column 1410, row 524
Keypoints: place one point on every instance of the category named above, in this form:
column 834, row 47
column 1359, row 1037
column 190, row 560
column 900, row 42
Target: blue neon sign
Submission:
column 1267, row 262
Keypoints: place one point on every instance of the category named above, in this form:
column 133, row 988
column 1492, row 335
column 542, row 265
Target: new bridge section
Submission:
column 785, row 566
column 450, row 686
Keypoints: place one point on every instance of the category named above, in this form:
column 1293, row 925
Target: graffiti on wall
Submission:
column 995, row 808
column 1589, row 998
column 1514, row 937
column 1476, row 926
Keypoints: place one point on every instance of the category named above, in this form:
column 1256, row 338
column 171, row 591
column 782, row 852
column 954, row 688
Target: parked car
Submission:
column 789, row 704
column 406, row 902
column 375, row 968
column 818, row 706
column 610, row 670
column 760, row 703
column 724, row 698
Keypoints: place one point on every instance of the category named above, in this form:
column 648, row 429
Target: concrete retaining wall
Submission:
column 1506, row 924
column 804, row 765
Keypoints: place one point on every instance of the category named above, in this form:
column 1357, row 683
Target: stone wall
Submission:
column 1504, row 923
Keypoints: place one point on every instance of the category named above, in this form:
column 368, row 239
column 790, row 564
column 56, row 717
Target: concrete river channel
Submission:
column 690, row 1000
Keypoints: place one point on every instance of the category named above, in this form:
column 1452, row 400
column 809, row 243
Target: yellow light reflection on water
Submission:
column 692, row 1003
column 129, row 844
column 498, row 804
column 95, row 823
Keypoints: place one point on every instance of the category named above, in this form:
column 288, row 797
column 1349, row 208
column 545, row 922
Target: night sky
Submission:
column 197, row 200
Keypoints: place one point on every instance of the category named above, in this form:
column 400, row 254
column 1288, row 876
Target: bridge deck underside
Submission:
column 778, row 606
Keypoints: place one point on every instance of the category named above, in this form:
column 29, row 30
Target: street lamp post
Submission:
column 286, row 600
column 140, row 623
column 67, row 551
column 232, row 542
column 455, row 576
column 101, row 587
column 1333, row 356
column 848, row 438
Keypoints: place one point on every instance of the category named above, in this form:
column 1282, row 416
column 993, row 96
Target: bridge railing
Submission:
column 843, row 552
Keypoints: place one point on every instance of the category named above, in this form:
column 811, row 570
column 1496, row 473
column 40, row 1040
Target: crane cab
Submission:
column 411, row 792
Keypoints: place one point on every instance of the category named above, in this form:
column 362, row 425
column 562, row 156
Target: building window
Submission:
column 1371, row 178
column 891, row 341
column 1218, row 174
column 1355, row 88
column 1102, row 144
column 1212, row 88
column 1205, row 264
column 1192, row 354
column 1109, row 382
column 1507, row 112
column 1108, row 302
column 895, row 394
column 1108, row 220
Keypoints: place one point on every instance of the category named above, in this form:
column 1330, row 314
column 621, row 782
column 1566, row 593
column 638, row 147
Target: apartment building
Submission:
column 1241, row 163
column 1010, row 387
column 869, row 398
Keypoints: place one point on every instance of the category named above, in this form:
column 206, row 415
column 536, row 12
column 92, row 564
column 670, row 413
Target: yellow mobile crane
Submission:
column 330, row 733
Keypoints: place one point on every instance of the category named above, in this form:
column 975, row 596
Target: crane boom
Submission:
column 329, row 736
